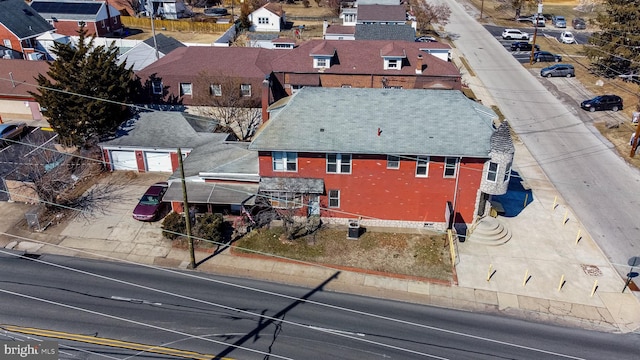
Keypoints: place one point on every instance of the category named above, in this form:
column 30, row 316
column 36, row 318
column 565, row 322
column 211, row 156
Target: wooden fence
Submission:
column 173, row 25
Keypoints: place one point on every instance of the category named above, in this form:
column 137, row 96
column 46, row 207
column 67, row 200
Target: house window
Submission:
column 245, row 89
column 393, row 87
column 263, row 20
column 285, row 200
column 7, row 43
column 393, row 162
column 334, row 198
column 103, row 24
column 346, row 86
column 339, row 163
column 492, row 172
column 156, row 87
column 81, row 23
column 215, row 89
column 185, row 89
column 392, row 64
column 321, row 63
column 450, row 165
column 507, row 173
column 284, row 161
column 422, row 166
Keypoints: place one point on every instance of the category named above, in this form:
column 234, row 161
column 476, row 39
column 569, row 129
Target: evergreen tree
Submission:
column 615, row 48
column 77, row 84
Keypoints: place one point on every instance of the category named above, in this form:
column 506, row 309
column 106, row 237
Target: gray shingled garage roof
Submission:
column 411, row 122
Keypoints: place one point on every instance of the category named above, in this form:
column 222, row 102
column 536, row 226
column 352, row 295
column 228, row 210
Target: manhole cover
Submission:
column 591, row 270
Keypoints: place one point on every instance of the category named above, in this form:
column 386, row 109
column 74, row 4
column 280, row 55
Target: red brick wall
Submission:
column 6, row 34
column 70, row 27
column 372, row 190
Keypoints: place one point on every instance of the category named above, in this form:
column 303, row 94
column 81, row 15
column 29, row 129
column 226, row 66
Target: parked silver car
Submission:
column 558, row 70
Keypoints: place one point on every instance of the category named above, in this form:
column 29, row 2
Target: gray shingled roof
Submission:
column 384, row 32
column 162, row 130
column 501, row 139
column 22, row 20
column 379, row 121
column 166, row 44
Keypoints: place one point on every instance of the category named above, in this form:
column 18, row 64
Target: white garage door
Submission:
column 157, row 161
column 123, row 160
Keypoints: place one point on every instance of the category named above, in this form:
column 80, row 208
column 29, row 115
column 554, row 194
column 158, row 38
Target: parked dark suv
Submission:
column 545, row 56
column 579, row 24
column 603, row 102
column 522, row 45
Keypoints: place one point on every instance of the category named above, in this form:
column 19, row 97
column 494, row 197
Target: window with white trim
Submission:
column 284, row 161
column 334, row 198
column 7, row 43
column 392, row 64
column 81, row 23
column 156, row 87
column 321, row 62
column 450, row 166
column 393, row 162
column 492, row 171
column 339, row 163
column 185, row 89
column 507, row 173
column 422, row 166
column 215, row 89
column 285, row 200
column 245, row 89
column 263, row 20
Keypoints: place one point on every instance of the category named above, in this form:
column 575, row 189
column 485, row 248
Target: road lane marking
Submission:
column 111, row 342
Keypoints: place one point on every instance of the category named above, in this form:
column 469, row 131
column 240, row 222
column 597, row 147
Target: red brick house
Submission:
column 20, row 25
column 99, row 17
column 403, row 158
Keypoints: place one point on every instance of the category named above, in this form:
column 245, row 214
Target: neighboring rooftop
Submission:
column 22, row 74
column 384, row 32
column 381, row 13
column 23, row 21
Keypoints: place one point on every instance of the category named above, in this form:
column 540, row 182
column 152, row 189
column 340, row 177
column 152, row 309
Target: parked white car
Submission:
column 509, row 34
column 566, row 37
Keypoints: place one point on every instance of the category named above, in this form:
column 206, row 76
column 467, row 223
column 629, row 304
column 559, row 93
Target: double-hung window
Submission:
column 450, row 167
column 156, row 86
column 245, row 89
column 339, row 163
column 263, row 20
column 492, row 172
column 215, row 89
column 507, row 173
column 284, row 161
column 334, row 198
column 393, row 162
column 422, row 166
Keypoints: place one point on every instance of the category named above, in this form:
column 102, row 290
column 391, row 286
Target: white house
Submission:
column 169, row 9
column 270, row 17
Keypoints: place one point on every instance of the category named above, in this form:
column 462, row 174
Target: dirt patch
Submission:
column 420, row 255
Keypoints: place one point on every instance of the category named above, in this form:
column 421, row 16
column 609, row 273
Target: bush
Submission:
column 173, row 226
column 210, row 227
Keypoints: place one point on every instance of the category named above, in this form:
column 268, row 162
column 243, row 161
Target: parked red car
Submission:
column 150, row 207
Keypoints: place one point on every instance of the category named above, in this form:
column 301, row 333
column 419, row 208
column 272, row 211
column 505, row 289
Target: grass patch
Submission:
column 423, row 255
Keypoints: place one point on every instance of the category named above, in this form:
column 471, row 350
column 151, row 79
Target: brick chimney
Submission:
column 265, row 100
column 419, row 64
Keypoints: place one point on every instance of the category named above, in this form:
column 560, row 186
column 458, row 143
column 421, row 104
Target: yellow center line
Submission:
column 111, row 342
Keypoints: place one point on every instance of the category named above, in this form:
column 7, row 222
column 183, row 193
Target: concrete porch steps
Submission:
column 490, row 231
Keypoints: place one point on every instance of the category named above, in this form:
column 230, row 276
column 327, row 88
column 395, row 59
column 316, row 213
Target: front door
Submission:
column 314, row 205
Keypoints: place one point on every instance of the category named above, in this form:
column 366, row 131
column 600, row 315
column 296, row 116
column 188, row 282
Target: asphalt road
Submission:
column 176, row 310
column 596, row 183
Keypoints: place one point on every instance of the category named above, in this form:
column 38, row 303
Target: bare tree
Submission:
column 335, row 6
column 427, row 14
column 231, row 102
column 62, row 180
column 134, row 5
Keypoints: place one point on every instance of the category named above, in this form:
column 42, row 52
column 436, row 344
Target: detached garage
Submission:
column 150, row 142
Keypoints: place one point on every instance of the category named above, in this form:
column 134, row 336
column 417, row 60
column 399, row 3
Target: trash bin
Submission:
column 354, row 229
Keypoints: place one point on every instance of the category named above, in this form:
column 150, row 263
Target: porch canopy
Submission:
column 292, row 185
column 213, row 193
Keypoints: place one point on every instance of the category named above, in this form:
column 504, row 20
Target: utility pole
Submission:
column 634, row 142
column 187, row 216
column 535, row 31
column 152, row 15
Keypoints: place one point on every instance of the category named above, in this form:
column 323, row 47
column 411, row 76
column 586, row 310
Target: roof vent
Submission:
column 321, row 129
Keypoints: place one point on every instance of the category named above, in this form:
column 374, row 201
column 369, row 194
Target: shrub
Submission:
column 173, row 225
column 210, row 227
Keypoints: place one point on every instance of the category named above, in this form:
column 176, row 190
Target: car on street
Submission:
column 559, row 21
column 11, row 131
column 541, row 21
column 603, row 102
column 426, row 39
column 566, row 37
column 523, row 45
column 216, row 12
column 579, row 23
column 150, row 207
column 509, row 34
column 545, row 56
column 566, row 70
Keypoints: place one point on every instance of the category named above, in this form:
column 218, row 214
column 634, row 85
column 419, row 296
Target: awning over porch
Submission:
column 292, row 185
column 213, row 193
